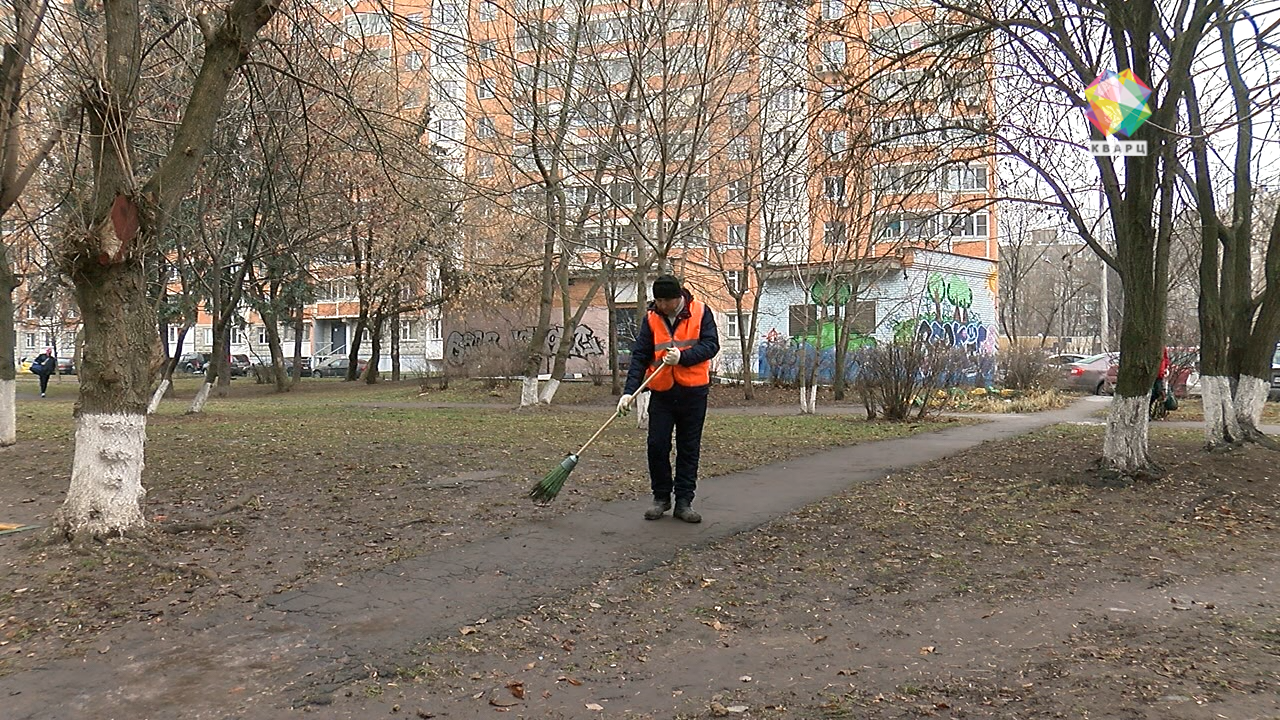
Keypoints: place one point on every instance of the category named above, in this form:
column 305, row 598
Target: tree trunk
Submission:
column 1125, row 446
column 299, row 324
column 371, row 374
column 8, row 378
column 357, row 338
column 105, row 495
column 395, row 348
column 158, row 395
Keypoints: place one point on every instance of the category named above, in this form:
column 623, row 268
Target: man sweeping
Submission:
column 677, row 341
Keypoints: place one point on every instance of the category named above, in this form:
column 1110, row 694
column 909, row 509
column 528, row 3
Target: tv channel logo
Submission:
column 1118, row 106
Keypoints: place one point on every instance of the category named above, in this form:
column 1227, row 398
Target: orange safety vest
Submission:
column 685, row 337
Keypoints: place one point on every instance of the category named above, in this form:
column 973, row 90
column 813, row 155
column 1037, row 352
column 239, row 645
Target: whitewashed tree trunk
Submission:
column 549, row 391
column 808, row 399
column 642, row 409
column 157, row 396
column 8, row 413
column 105, row 497
column 529, row 391
column 1221, row 426
column 197, row 405
column 1125, row 446
column 1251, row 398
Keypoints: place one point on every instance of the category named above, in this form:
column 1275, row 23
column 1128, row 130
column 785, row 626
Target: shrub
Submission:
column 1025, row 368
column 894, row 377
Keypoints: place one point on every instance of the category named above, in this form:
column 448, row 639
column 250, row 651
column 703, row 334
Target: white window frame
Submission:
column 736, row 280
column 968, row 178
column 487, row 12
column 484, row 166
column 731, row 329
column 434, row 330
column 486, row 88
column 738, row 229
column 413, row 60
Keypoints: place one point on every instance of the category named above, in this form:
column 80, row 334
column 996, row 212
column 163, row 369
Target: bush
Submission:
column 894, row 377
column 1025, row 368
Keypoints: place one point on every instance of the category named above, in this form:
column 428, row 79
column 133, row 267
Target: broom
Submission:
column 548, row 487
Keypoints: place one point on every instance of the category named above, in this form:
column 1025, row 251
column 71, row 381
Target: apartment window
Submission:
column 738, row 148
column 910, row 226
column 174, row 331
column 237, row 336
column 835, row 142
column 487, row 50
column 736, row 281
column 787, row 99
column 732, row 329
column 446, row 13
column 791, row 187
column 484, row 166
column 893, row 40
column 833, row 55
column 736, row 236
column 366, row 24
column 488, row 11
column 408, row 330
column 739, row 108
column 833, row 233
column 29, row 340
column 413, row 23
column 412, row 99
column 262, row 335
column 971, row 178
column 833, row 188
column 485, row 128
column 973, row 225
column 739, row 191
column 485, row 88
column 433, row 329
column 413, row 60
column 901, row 179
column 832, row 9
column 832, row 96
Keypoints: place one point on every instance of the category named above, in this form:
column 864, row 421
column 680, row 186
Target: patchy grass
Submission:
column 1028, row 402
column 331, row 478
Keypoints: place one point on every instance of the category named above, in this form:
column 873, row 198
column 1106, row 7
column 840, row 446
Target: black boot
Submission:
column 684, row 511
column 660, row 508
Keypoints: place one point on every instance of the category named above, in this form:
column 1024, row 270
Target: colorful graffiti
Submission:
column 954, row 323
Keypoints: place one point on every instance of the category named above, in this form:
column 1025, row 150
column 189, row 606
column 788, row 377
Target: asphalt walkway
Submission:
column 255, row 661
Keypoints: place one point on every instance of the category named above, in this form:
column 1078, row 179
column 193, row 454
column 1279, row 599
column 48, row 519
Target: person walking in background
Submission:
column 677, row 341
column 43, row 366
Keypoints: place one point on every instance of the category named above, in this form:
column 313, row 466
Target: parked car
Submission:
column 1063, row 359
column 23, row 365
column 1183, row 364
column 1088, row 374
column 193, row 362
column 305, row 369
column 337, row 367
column 239, row 365
column 1275, row 374
column 66, row 366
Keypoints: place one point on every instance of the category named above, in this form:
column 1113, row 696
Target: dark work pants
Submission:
column 44, row 381
column 683, row 410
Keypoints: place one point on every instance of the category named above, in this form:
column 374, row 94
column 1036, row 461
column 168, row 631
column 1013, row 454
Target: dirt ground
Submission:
column 264, row 493
column 999, row 583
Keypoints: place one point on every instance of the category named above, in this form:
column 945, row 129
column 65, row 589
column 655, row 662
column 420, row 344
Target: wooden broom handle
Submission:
column 615, row 416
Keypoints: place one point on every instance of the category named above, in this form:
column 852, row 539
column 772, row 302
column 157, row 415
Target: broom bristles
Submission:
column 549, row 487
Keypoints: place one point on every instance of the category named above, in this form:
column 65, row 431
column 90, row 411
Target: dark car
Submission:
column 1182, row 365
column 239, row 365
column 1063, row 359
column 66, row 366
column 193, row 362
column 337, row 367
column 1088, row 374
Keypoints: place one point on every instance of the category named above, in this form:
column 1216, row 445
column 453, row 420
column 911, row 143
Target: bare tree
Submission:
column 116, row 221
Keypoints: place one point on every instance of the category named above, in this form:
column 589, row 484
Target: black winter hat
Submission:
column 666, row 287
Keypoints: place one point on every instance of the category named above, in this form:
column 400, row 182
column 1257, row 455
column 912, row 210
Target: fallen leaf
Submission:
column 595, row 706
column 718, row 710
column 467, row 630
column 517, row 689
column 819, row 639
column 745, row 678
column 927, row 649
column 737, row 709
column 571, row 681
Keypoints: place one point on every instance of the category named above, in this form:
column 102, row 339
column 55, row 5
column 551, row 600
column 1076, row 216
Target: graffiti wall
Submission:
column 498, row 347
column 937, row 296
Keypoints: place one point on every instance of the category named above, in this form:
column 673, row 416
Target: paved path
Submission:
column 254, row 661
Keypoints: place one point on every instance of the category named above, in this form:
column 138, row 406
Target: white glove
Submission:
column 672, row 357
column 624, row 404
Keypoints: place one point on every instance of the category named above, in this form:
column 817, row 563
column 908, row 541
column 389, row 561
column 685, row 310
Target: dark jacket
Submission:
column 44, row 364
column 707, row 347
